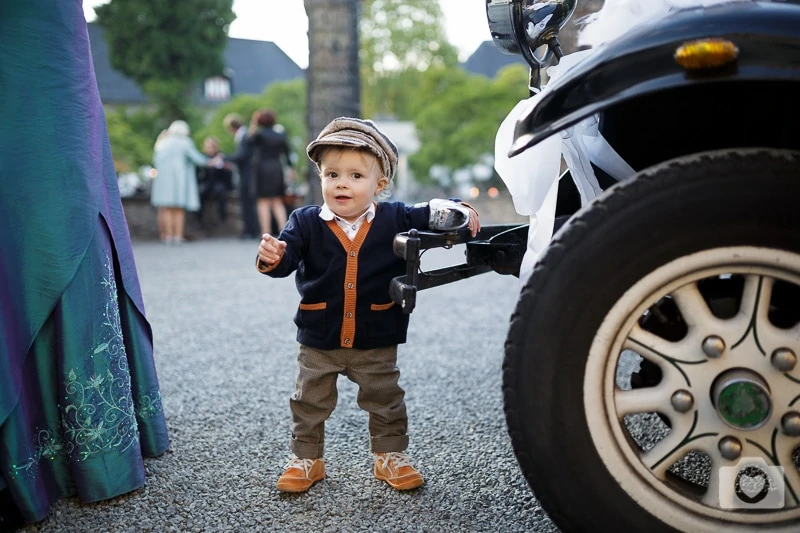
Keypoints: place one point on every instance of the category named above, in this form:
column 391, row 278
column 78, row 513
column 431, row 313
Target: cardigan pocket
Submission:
column 314, row 307
column 312, row 317
column 382, row 323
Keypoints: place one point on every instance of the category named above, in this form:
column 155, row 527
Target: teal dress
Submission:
column 79, row 398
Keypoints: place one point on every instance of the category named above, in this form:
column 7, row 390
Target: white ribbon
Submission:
column 532, row 176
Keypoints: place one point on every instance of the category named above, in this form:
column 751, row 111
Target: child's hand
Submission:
column 474, row 219
column 271, row 250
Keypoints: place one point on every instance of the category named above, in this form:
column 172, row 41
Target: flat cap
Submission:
column 350, row 132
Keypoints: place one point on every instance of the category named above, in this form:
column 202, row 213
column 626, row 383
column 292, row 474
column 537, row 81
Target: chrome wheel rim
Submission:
column 727, row 387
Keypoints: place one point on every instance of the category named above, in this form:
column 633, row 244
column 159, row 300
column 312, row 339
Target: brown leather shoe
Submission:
column 395, row 468
column 300, row 474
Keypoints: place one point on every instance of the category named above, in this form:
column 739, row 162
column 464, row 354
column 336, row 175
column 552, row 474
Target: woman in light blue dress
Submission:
column 80, row 403
column 174, row 190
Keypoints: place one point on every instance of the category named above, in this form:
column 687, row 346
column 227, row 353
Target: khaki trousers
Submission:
column 376, row 374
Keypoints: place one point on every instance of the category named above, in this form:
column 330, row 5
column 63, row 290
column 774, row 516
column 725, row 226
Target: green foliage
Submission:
column 146, row 122
column 131, row 141
column 457, row 115
column 401, row 34
column 399, row 40
column 286, row 98
column 167, row 47
column 393, row 95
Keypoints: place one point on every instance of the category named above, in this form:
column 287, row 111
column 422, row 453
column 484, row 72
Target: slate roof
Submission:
column 488, row 59
column 256, row 64
column 250, row 65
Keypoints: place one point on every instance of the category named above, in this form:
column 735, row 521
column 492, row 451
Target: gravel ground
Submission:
column 225, row 351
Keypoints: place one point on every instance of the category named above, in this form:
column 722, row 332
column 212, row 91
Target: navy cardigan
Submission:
column 343, row 284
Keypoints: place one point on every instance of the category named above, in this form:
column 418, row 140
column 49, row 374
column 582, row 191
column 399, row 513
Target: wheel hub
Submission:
column 742, row 399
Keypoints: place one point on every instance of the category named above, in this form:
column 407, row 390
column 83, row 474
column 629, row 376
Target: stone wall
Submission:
column 143, row 225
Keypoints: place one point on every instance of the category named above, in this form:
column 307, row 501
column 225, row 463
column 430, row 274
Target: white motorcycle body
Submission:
column 532, row 177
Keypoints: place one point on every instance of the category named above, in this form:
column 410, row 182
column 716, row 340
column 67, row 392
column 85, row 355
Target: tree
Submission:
column 400, row 39
column 333, row 84
column 457, row 116
column 167, row 48
column 397, row 35
column 132, row 148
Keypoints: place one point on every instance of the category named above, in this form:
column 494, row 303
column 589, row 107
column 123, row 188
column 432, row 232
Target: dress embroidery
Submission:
column 98, row 413
column 149, row 405
column 47, row 446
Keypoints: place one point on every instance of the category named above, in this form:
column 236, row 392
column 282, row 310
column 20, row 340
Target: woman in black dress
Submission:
column 270, row 154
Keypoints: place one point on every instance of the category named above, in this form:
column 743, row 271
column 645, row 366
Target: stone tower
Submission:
column 333, row 74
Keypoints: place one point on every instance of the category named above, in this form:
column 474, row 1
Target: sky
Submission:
column 285, row 23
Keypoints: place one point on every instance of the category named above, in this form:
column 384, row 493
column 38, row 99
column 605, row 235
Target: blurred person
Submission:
column 270, row 151
column 174, row 189
column 241, row 158
column 80, row 404
column 162, row 135
column 214, row 181
column 161, row 214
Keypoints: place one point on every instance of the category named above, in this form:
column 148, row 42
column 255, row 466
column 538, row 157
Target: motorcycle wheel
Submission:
column 692, row 267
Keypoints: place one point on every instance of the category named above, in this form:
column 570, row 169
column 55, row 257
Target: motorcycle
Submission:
column 650, row 378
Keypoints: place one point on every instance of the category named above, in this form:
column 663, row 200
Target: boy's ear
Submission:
column 383, row 182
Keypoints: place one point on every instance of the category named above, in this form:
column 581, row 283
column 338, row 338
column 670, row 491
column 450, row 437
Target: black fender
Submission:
column 641, row 63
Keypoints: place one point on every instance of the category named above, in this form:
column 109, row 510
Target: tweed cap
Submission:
column 349, row 132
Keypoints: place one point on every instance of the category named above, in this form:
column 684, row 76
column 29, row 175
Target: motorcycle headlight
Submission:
column 520, row 26
column 503, row 17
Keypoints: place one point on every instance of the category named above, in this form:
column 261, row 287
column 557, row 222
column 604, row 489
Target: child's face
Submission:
column 350, row 181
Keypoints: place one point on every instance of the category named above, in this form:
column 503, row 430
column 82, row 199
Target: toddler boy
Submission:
column 347, row 324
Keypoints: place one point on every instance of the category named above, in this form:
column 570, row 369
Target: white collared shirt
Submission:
column 350, row 228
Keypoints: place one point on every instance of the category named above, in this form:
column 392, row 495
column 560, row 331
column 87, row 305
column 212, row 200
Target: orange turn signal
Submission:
column 706, row 53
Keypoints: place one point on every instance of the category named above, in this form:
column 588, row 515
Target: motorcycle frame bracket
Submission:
column 497, row 248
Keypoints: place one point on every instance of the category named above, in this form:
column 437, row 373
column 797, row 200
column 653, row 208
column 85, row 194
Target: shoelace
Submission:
column 397, row 460
column 301, row 464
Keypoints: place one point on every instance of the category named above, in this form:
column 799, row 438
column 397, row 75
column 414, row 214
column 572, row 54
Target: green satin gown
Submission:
column 79, row 397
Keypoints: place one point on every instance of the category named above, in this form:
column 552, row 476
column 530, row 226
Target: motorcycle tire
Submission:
column 691, row 205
